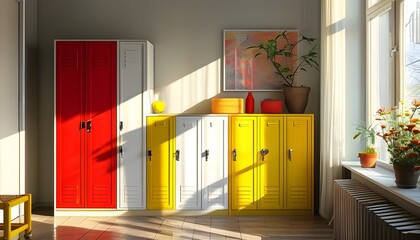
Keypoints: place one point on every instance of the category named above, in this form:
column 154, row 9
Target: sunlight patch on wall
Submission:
column 192, row 90
column 9, row 164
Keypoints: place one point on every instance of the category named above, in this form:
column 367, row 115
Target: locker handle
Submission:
column 207, row 154
column 89, row 126
column 290, row 154
column 177, row 153
column 82, row 125
column 263, row 152
column 234, row 154
column 149, row 154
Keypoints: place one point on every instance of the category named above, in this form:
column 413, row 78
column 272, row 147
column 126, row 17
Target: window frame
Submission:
column 371, row 13
column 396, row 9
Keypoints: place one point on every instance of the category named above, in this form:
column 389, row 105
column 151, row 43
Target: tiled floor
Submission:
column 179, row 227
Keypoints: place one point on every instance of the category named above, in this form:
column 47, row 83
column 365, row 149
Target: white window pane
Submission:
column 380, row 46
column 412, row 49
column 380, row 67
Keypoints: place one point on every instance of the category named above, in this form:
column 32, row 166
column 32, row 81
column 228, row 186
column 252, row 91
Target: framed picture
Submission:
column 243, row 70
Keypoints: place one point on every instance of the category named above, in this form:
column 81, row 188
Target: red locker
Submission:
column 86, row 143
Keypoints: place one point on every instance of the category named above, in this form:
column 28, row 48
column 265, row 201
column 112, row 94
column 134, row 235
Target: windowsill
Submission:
column 381, row 179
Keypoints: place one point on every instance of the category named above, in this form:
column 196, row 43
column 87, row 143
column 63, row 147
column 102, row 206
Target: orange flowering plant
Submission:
column 400, row 129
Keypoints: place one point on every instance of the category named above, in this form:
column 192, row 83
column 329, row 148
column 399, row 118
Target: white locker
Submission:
column 201, row 166
column 188, row 166
column 135, row 96
column 214, row 163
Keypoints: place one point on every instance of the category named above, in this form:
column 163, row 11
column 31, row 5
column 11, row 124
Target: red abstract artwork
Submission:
column 242, row 70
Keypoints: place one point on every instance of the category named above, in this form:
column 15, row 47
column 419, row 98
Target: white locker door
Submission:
column 188, row 166
column 132, row 172
column 214, row 162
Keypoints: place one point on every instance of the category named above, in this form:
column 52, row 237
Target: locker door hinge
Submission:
column 121, row 151
column 121, row 125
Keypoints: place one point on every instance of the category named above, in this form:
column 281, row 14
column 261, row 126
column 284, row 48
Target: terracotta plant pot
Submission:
column 296, row 98
column 368, row 160
column 406, row 176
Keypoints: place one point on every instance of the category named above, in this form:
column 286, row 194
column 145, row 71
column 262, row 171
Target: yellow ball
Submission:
column 158, row 106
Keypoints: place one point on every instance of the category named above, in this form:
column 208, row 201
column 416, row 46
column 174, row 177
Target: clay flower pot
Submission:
column 368, row 160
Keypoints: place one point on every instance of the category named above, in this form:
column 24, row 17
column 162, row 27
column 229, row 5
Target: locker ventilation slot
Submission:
column 271, row 195
column 215, row 194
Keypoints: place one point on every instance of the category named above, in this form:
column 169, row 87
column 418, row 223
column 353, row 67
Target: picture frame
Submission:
column 242, row 69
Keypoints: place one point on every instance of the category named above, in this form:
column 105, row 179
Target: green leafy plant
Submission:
column 400, row 129
column 274, row 52
column 368, row 134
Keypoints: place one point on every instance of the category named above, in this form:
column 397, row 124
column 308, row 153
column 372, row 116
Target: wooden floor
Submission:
column 47, row 227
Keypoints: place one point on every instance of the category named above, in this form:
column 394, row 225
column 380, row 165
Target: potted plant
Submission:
column 295, row 97
column 400, row 129
column 369, row 156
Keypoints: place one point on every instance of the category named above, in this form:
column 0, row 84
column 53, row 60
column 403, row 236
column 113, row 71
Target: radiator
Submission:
column 360, row 213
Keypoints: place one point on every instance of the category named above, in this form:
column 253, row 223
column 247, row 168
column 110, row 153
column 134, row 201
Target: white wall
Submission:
column 9, row 128
column 18, row 140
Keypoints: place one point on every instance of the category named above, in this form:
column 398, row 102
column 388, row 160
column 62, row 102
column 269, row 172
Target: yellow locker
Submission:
column 256, row 164
column 299, row 159
column 160, row 163
column 242, row 162
column 271, row 164
column 270, row 161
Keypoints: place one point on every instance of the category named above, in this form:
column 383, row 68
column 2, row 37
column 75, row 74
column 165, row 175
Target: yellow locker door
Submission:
column 242, row 160
column 160, row 163
column 298, row 185
column 271, row 163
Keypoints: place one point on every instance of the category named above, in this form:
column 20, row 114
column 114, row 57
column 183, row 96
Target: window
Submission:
column 411, row 50
column 380, row 62
column 393, row 56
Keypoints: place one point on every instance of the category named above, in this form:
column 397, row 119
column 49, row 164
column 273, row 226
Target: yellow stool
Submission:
column 12, row 229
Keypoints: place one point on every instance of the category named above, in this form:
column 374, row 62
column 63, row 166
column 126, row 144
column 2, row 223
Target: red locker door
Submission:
column 101, row 120
column 70, row 144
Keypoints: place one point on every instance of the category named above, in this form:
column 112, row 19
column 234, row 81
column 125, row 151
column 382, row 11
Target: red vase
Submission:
column 249, row 103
